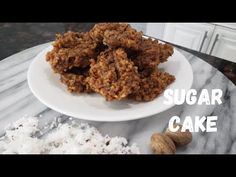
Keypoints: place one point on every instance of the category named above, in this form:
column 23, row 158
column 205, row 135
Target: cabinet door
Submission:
column 195, row 36
column 223, row 44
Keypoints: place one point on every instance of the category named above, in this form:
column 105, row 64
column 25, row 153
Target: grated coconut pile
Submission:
column 22, row 138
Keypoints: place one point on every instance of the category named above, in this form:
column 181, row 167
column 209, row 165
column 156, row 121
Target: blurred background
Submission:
column 216, row 39
column 15, row 37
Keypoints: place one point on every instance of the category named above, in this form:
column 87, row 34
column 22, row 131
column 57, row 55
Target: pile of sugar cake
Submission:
column 78, row 138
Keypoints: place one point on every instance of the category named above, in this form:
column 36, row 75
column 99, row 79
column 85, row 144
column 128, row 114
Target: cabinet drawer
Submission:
column 195, row 36
column 223, row 44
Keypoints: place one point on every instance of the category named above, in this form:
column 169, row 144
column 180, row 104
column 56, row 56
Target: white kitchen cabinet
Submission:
column 195, row 36
column 223, row 44
column 217, row 39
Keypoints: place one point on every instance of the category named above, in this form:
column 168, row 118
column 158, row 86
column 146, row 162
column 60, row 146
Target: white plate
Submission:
column 47, row 87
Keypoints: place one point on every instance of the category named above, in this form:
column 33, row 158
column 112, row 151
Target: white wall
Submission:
column 155, row 30
column 139, row 26
column 151, row 29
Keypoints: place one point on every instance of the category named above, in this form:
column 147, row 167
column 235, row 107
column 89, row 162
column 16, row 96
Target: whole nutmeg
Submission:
column 162, row 144
column 179, row 138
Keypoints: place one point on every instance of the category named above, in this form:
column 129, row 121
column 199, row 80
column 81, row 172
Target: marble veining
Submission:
column 16, row 100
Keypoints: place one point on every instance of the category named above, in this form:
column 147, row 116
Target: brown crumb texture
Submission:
column 165, row 52
column 149, row 56
column 112, row 59
column 129, row 38
column 75, row 83
column 117, row 35
column 97, row 32
column 71, row 49
column 152, row 86
column 114, row 76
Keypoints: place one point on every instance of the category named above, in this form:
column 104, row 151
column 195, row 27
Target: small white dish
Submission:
column 46, row 87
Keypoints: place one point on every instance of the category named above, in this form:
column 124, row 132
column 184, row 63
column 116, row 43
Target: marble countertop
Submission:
column 16, row 100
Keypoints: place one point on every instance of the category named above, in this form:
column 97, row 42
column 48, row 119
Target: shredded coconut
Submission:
column 22, row 137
